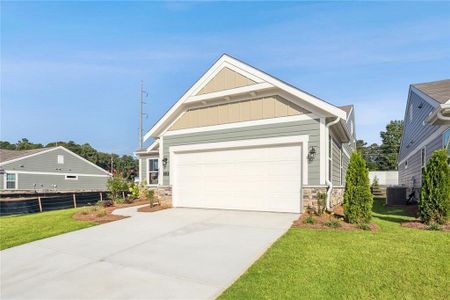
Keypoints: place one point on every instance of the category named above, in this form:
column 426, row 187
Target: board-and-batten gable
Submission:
column 416, row 129
column 246, row 110
column 47, row 161
column 224, row 80
column 263, row 83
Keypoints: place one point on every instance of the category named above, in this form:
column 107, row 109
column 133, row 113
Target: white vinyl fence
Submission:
column 385, row 178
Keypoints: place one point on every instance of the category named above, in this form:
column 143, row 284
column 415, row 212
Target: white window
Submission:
column 153, row 171
column 330, row 159
column 60, row 159
column 11, row 181
column 410, row 113
column 423, row 157
column 71, row 177
column 351, row 127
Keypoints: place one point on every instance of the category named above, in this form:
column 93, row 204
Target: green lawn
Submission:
column 393, row 263
column 21, row 229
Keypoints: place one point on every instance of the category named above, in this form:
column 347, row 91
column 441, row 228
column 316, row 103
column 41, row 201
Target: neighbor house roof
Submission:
column 437, row 90
column 6, row 155
column 347, row 109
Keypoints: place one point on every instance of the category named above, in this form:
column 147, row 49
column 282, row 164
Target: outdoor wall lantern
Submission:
column 164, row 162
column 311, row 153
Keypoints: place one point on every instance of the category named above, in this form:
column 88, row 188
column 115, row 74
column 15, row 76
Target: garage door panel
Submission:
column 264, row 178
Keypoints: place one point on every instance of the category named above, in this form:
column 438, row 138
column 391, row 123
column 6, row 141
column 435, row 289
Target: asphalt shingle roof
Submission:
column 438, row 90
column 6, row 155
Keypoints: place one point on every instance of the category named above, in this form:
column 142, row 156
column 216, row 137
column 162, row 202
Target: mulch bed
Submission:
column 419, row 225
column 336, row 216
column 103, row 215
column 152, row 209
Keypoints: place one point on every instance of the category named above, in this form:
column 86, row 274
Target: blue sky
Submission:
column 71, row 71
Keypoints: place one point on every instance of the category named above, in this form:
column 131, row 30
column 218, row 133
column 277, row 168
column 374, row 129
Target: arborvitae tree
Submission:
column 358, row 199
column 435, row 193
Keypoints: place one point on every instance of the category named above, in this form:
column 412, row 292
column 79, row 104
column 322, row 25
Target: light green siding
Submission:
column 307, row 127
column 336, row 163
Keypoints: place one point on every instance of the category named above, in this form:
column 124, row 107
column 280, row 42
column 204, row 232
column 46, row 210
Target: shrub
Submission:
column 116, row 185
column 434, row 226
column 151, row 197
column 119, row 200
column 364, row 226
column 321, row 202
column 308, row 220
column 435, row 193
column 332, row 223
column 133, row 191
column 358, row 199
column 101, row 213
column 104, row 203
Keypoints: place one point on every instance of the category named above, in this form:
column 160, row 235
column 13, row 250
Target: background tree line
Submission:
column 125, row 165
column 383, row 157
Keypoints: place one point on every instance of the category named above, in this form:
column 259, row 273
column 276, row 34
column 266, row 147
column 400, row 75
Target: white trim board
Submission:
column 424, row 143
column 220, row 94
column 250, row 72
column 55, row 173
column 299, row 139
column 303, row 117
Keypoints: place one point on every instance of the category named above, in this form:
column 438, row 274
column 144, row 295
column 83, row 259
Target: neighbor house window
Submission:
column 153, row 171
column 330, row 153
column 11, row 181
column 71, row 177
column 60, row 159
column 406, row 164
column 423, row 158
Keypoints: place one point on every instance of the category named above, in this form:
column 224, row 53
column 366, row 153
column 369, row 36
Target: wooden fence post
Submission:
column 40, row 204
column 123, row 195
column 74, row 201
column 101, row 196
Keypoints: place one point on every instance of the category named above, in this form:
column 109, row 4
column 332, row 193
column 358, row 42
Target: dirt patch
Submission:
column 417, row 224
column 152, row 209
column 333, row 221
column 103, row 215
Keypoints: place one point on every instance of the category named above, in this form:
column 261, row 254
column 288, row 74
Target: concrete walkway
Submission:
column 173, row 253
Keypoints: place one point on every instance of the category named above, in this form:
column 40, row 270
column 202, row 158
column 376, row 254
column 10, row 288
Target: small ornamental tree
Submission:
column 358, row 199
column 435, row 193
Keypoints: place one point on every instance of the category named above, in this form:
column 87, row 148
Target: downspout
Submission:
column 327, row 181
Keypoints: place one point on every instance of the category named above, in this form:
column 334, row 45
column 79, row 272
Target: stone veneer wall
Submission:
column 310, row 196
column 164, row 195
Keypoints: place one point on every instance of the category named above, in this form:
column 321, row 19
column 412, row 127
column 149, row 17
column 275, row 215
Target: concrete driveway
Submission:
column 174, row 253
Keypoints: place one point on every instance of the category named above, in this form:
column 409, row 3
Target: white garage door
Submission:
column 265, row 178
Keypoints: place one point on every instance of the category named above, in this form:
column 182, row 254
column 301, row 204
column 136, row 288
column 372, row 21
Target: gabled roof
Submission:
column 347, row 108
column 437, row 90
column 7, row 155
column 262, row 82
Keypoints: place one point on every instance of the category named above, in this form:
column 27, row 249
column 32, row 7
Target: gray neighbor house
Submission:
column 49, row 169
column 426, row 129
column 240, row 138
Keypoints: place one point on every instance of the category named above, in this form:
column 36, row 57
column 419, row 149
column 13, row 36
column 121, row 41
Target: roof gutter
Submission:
column 440, row 116
column 327, row 181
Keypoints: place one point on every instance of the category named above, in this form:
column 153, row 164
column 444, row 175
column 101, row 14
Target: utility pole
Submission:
column 140, row 114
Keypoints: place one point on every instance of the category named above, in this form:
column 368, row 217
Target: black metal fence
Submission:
column 32, row 203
